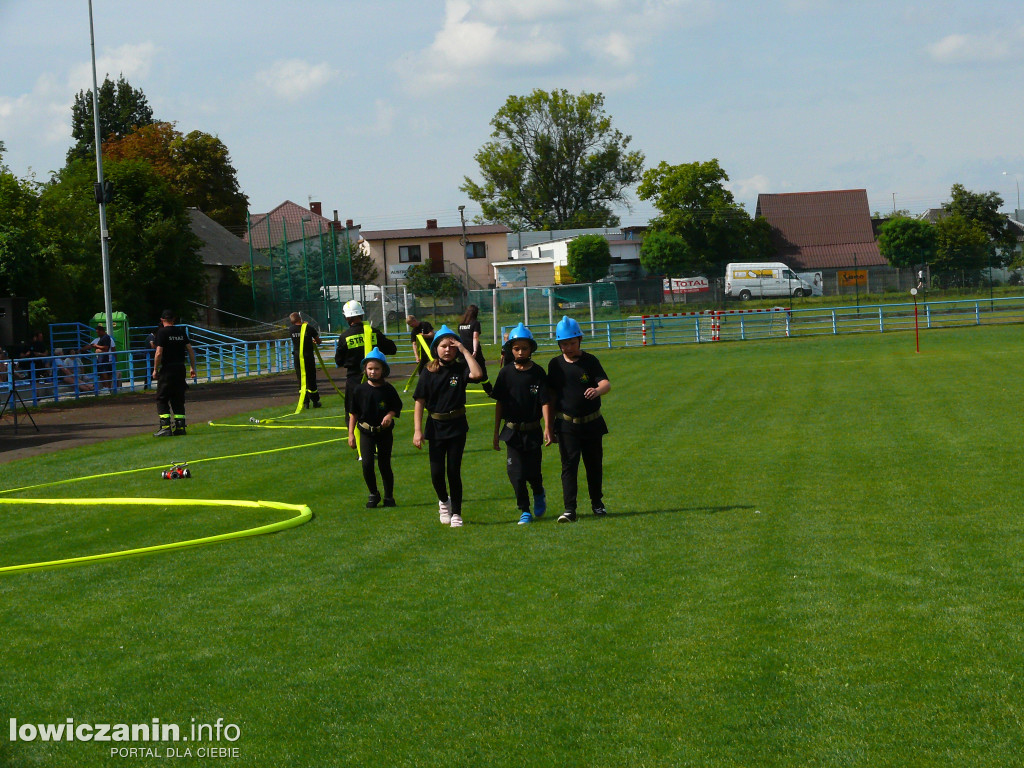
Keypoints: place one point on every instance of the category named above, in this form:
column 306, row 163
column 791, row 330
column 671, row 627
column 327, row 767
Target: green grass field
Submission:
column 812, row 558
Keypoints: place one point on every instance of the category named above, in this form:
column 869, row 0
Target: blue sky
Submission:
column 376, row 109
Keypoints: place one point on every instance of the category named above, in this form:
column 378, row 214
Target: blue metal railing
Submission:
column 218, row 358
column 782, row 322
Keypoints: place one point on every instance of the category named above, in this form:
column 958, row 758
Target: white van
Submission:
column 756, row 280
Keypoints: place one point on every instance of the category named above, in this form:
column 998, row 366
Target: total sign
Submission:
column 685, row 285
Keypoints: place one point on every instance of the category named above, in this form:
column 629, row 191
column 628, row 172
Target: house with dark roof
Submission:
column 289, row 223
column 395, row 250
column 221, row 252
column 822, row 231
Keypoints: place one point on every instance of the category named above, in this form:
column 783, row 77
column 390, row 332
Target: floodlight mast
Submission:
column 100, row 187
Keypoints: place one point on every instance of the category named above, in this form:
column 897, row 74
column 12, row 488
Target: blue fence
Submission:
column 782, row 322
column 221, row 358
column 72, row 374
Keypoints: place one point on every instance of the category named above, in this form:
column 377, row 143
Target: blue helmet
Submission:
column 567, row 328
column 521, row 332
column 439, row 334
column 377, row 355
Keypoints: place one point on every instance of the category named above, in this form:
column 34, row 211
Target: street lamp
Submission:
column 101, row 193
column 1017, row 182
column 462, row 242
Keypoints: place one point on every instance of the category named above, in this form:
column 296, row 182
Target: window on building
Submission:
column 409, row 254
column 476, row 250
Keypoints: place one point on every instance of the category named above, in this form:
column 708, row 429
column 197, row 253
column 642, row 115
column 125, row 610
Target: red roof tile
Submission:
column 285, row 221
column 821, row 230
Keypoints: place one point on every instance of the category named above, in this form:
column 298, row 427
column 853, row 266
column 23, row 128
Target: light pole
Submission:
column 462, row 242
column 1017, row 182
column 101, row 189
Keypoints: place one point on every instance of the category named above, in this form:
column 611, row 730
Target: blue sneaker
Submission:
column 525, row 518
column 540, row 505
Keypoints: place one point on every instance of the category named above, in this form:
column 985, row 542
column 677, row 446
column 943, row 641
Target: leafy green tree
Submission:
column 364, row 271
column 589, row 258
column 122, row 109
column 154, row 257
column 421, row 281
column 907, row 242
column 554, row 162
column 962, row 246
column 664, row 253
column 197, row 165
column 23, row 259
column 982, row 208
column 695, row 205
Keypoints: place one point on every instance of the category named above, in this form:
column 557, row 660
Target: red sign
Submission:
column 679, row 285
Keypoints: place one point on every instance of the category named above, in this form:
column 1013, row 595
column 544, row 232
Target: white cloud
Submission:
column 133, row 60
column 293, row 79
column 480, row 39
column 379, row 122
column 468, row 47
column 750, row 187
column 615, row 47
column 996, row 46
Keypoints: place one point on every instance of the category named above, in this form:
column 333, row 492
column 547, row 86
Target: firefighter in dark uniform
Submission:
column 577, row 382
column 353, row 346
column 172, row 345
column 307, row 365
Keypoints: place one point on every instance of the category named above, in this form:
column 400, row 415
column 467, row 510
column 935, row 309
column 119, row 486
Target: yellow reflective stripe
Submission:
column 426, row 347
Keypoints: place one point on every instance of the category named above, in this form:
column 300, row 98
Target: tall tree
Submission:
column 554, row 162
column 196, row 164
column 695, row 205
column 962, row 246
column 122, row 109
column 589, row 258
column 154, row 257
column 982, row 208
column 907, row 242
column 23, row 258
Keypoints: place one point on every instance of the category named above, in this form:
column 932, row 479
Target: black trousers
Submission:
column 446, row 463
column 170, row 391
column 380, row 443
column 571, row 448
column 311, row 393
column 524, row 469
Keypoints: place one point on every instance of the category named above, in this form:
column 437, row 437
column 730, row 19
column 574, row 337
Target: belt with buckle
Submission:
column 370, row 428
column 450, row 415
column 523, row 426
column 581, row 419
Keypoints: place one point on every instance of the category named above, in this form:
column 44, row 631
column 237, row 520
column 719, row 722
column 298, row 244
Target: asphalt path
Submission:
column 72, row 423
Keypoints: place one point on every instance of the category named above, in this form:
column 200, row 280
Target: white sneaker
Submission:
column 456, row 520
column 445, row 510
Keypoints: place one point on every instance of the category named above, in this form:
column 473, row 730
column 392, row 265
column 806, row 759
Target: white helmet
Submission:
column 352, row 308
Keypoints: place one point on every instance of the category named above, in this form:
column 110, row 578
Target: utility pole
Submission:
column 103, row 190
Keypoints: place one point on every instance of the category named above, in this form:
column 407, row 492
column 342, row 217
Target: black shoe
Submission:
column 569, row 516
column 388, row 502
column 179, row 431
column 163, row 432
column 373, row 501
column 600, row 511
column 316, row 403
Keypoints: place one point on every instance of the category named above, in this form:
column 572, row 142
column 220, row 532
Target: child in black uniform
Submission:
column 441, row 390
column 375, row 406
column 577, row 382
column 522, row 419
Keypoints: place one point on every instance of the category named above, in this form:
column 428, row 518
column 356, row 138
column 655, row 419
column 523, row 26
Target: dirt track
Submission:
column 95, row 419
